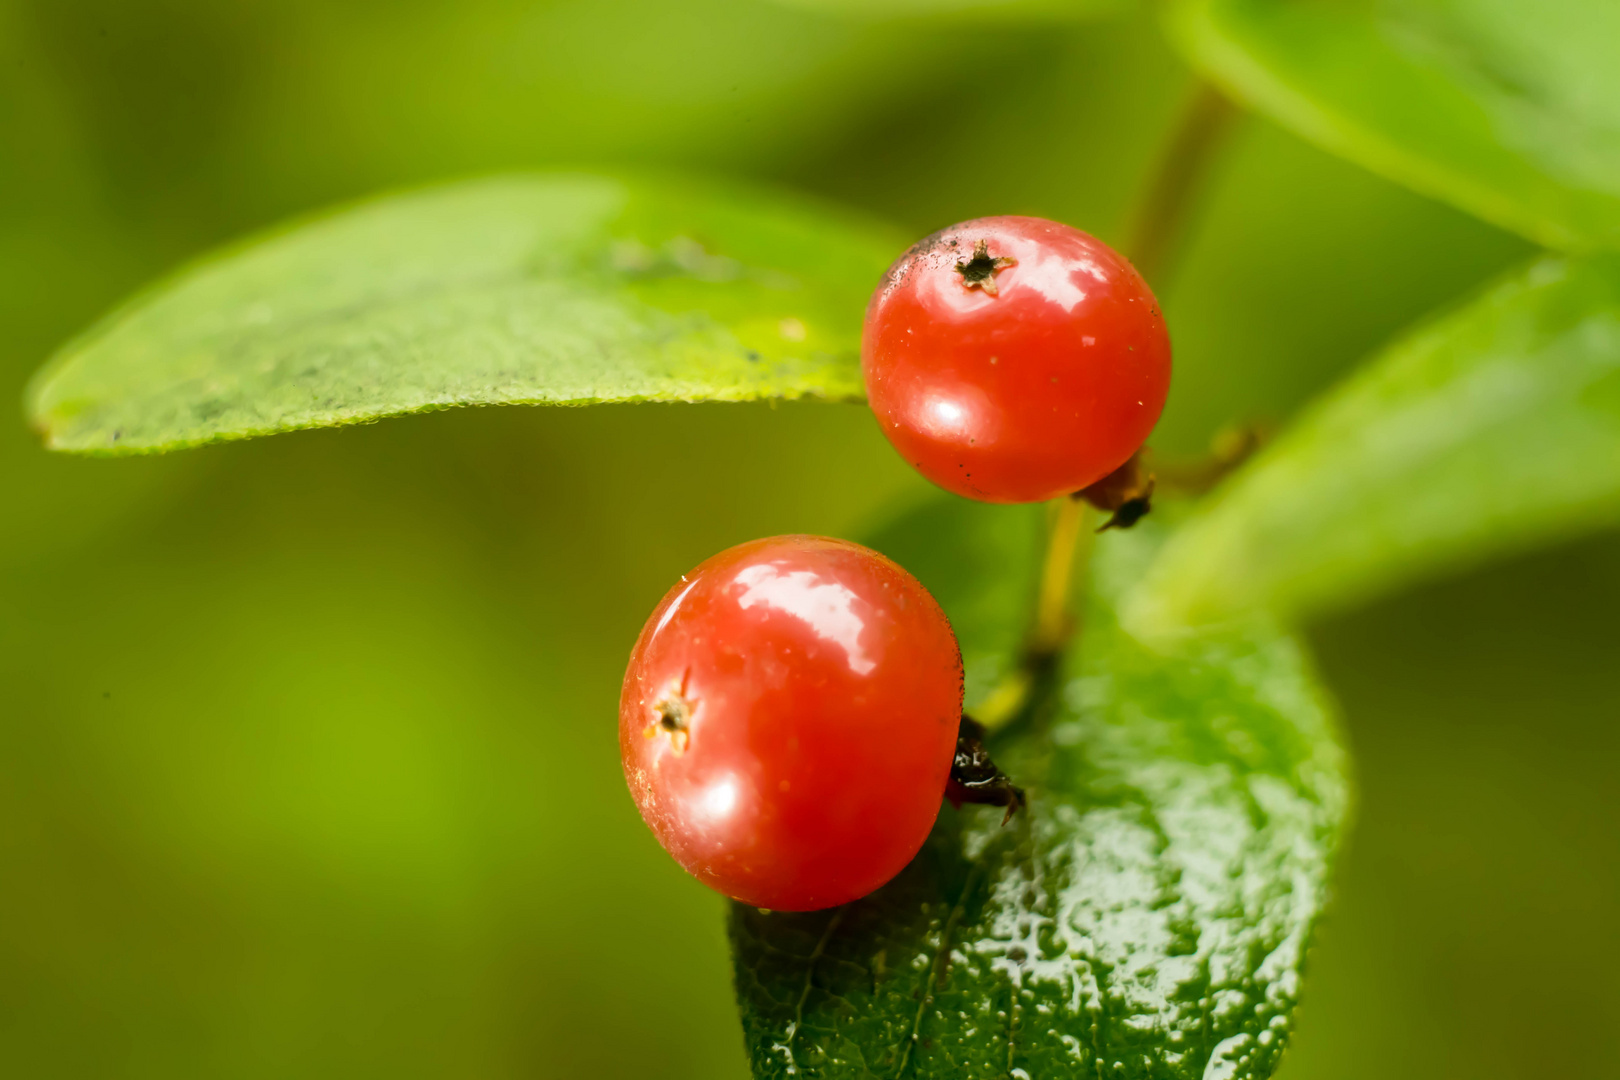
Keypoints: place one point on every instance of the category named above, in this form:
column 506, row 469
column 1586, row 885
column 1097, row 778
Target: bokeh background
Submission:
column 307, row 745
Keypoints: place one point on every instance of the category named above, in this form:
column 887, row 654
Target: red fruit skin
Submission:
column 825, row 689
column 1031, row 394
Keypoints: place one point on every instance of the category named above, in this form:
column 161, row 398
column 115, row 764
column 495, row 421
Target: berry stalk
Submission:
column 1053, row 620
column 1156, row 230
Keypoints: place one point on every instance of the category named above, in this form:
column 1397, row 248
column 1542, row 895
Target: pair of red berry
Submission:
column 791, row 711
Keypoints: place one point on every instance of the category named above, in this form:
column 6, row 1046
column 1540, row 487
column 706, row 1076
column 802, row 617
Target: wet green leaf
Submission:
column 1150, row 914
column 1493, row 429
column 1509, row 109
column 547, row 289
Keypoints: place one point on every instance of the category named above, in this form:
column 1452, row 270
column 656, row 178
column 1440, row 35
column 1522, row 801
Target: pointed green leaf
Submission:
column 1509, row 109
column 549, row 289
column 1148, row 916
column 1495, row 428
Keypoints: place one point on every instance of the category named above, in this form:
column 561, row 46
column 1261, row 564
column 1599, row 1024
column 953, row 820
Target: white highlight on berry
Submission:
column 828, row 609
column 720, row 799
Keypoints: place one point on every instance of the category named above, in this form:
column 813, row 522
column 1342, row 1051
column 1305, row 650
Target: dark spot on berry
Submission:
column 896, row 274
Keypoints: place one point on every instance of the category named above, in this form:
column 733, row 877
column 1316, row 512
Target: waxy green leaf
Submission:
column 1509, row 109
column 547, row 289
column 1493, row 429
column 1147, row 917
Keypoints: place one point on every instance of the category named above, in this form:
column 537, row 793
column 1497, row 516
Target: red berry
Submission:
column 1014, row 359
column 789, row 718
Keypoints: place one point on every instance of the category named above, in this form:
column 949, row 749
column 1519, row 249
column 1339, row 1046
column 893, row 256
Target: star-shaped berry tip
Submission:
column 979, row 272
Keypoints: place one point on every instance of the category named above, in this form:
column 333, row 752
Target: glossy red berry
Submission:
column 1014, row 359
column 789, row 719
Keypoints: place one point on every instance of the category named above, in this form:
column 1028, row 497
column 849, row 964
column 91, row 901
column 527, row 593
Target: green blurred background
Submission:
column 307, row 746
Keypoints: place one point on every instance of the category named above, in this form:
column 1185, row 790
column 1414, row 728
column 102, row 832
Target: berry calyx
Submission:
column 1014, row 359
column 979, row 272
column 789, row 720
column 1126, row 494
column 975, row 777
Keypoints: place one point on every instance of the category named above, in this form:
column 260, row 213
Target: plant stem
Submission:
column 1006, row 700
column 1161, row 215
column 1156, row 226
column 1052, row 618
column 1067, row 538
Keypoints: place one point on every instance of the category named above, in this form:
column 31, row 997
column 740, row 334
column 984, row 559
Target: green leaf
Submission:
column 546, row 289
column 1495, row 428
column 1148, row 916
column 1509, row 109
